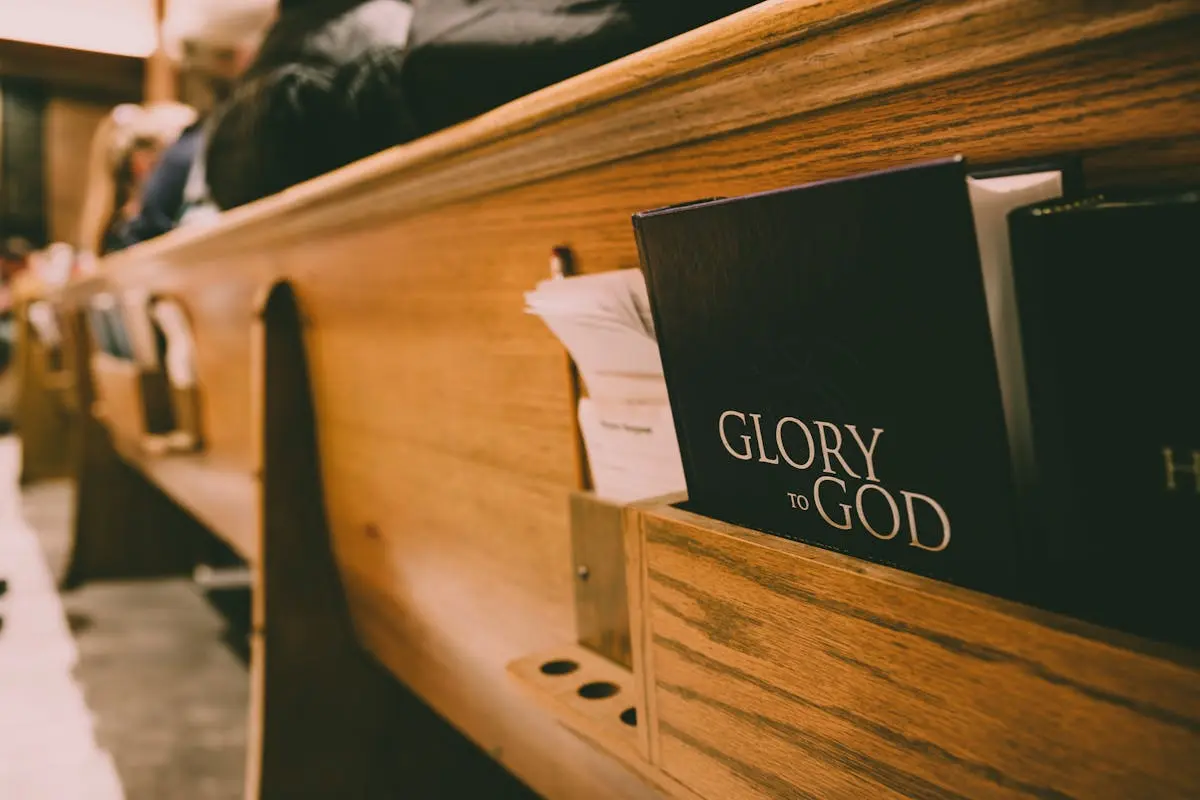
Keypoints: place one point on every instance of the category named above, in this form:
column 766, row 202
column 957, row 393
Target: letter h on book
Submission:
column 1174, row 467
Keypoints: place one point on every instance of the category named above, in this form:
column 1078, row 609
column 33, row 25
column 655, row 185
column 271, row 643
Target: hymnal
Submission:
column 1107, row 294
column 831, row 370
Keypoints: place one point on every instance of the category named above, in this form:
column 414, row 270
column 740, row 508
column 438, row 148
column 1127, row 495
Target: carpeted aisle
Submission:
column 167, row 692
column 48, row 749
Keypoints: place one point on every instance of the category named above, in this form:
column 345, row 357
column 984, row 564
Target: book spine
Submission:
column 648, row 273
column 1048, row 517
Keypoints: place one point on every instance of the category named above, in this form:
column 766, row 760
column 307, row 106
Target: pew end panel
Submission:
column 132, row 401
column 216, row 409
column 218, row 295
column 43, row 411
column 222, row 316
column 139, row 512
column 125, row 526
column 318, row 698
column 217, row 484
column 222, row 498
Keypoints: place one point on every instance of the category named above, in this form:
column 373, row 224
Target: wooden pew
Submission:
column 127, row 523
column 368, row 373
column 44, row 393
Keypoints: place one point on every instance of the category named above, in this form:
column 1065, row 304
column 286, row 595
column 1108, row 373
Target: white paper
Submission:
column 605, row 323
column 991, row 201
column 632, row 450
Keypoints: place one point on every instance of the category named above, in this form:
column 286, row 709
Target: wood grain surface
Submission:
column 225, row 500
column 782, row 670
column 42, row 413
column 327, row 721
column 588, row 692
column 444, row 418
column 101, row 77
column 601, row 593
column 119, row 400
column 70, row 124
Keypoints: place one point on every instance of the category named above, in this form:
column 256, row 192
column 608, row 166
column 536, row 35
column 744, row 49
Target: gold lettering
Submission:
column 912, row 521
column 749, row 454
column 862, row 516
column 1174, row 467
column 762, row 450
column 812, row 450
column 845, row 526
column 835, row 450
column 868, row 452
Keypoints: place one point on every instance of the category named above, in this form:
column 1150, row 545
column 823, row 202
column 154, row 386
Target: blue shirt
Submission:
column 162, row 195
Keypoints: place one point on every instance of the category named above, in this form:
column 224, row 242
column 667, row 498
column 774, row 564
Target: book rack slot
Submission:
column 185, row 406
column 772, row 664
column 601, row 596
column 133, row 402
column 170, row 319
column 595, row 698
column 596, row 687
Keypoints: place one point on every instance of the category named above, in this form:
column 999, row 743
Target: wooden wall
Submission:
column 69, row 125
column 77, row 89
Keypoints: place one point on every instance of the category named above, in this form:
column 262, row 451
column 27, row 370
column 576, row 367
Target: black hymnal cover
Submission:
column 831, row 372
column 1107, row 292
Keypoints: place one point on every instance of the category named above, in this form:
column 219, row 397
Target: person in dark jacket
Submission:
column 211, row 42
column 321, row 93
column 338, row 80
column 469, row 56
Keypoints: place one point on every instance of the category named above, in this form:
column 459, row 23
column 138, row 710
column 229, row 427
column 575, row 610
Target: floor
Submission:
column 158, row 664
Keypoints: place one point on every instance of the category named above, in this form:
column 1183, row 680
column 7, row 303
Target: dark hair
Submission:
column 301, row 120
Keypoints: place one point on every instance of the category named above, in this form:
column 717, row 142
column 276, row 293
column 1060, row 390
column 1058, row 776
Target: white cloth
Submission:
column 48, row 749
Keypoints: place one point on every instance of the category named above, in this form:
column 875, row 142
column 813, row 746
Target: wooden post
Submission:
column 161, row 83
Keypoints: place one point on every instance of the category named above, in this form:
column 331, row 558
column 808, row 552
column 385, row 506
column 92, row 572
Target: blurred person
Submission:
column 322, row 92
column 338, row 80
column 466, row 57
column 125, row 148
column 52, row 266
column 211, row 42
